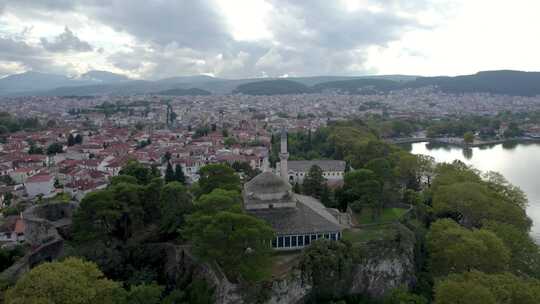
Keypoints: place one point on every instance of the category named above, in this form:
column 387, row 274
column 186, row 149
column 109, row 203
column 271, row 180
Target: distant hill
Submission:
column 358, row 86
column 103, row 77
column 184, row 92
column 314, row 80
column 31, row 81
column 272, row 87
column 190, row 79
column 105, row 83
column 497, row 82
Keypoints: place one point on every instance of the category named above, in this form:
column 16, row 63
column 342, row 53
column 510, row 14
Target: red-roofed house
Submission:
column 12, row 230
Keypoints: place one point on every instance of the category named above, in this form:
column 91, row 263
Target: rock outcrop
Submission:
column 385, row 267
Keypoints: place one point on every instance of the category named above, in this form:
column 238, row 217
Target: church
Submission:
column 297, row 220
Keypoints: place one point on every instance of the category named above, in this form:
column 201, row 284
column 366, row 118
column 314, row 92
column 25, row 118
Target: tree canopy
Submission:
column 72, row 281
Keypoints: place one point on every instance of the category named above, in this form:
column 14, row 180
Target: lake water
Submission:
column 518, row 162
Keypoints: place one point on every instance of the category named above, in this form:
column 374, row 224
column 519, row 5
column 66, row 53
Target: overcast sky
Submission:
column 153, row 39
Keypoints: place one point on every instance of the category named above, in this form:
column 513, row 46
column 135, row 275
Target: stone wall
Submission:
column 47, row 222
column 46, row 226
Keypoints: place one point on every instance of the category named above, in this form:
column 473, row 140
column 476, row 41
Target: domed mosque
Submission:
column 297, row 220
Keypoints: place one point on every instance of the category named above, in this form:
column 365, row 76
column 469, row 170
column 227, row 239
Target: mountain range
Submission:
column 107, row 83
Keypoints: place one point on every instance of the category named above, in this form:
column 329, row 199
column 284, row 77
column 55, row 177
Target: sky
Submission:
column 154, row 39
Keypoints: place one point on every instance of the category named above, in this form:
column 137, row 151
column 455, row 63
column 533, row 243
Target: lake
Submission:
column 518, row 162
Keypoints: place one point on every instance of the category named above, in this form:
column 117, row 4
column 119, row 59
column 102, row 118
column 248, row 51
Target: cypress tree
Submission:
column 70, row 140
column 179, row 174
column 169, row 173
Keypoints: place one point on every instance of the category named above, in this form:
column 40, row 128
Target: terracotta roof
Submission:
column 40, row 178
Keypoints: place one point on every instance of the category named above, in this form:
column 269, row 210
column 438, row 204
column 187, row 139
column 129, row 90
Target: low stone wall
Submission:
column 47, row 222
column 46, row 226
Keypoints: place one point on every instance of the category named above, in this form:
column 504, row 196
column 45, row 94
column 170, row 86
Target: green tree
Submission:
column 297, row 188
column 326, row 197
column 314, row 182
column 524, row 252
column 175, row 204
column 472, row 203
column 72, row 281
column 142, row 173
column 179, row 174
column 219, row 200
column 239, row 243
column 55, row 148
column 478, row 287
column 362, row 189
column 229, row 141
column 217, row 176
column 468, row 138
column 402, row 296
column 9, row 256
column 407, row 170
column 329, row 264
column 78, row 139
column 70, row 140
column 128, row 179
column 145, row 294
column 169, row 173
column 35, row 149
column 454, row 249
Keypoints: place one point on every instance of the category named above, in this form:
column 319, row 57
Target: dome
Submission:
column 267, row 183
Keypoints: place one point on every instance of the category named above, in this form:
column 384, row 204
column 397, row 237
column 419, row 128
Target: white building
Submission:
column 41, row 184
column 333, row 170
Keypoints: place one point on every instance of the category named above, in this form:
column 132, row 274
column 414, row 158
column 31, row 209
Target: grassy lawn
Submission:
column 387, row 215
column 362, row 235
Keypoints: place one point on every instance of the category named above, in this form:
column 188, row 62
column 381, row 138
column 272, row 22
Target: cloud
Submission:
column 66, row 41
column 324, row 37
column 182, row 37
column 17, row 55
column 190, row 24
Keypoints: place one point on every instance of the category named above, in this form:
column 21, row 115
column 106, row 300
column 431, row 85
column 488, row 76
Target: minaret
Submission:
column 284, row 156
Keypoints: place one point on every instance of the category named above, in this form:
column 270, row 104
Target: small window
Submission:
column 326, row 236
column 333, row 236
column 293, row 241
column 307, row 240
column 300, row 241
column 280, row 242
column 319, row 236
column 287, row 241
column 274, row 243
column 313, row 237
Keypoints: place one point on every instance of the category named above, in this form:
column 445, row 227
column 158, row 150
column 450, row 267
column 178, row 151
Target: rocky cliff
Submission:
column 384, row 265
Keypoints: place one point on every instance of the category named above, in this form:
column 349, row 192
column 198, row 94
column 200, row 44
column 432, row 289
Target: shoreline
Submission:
column 459, row 142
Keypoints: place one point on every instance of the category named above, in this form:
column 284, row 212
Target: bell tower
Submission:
column 284, row 156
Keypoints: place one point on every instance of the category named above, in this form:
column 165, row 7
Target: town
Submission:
column 83, row 141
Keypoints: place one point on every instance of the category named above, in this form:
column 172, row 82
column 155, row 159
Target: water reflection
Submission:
column 467, row 153
column 511, row 145
column 518, row 162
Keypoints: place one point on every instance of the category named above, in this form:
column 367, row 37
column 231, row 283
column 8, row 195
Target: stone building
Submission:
column 297, row 220
column 295, row 171
column 333, row 170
